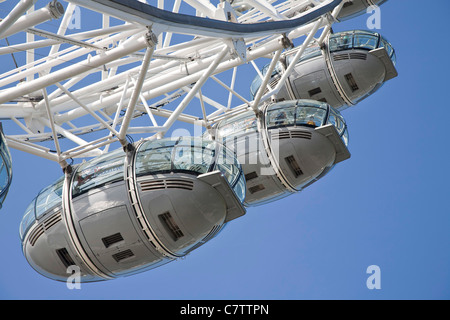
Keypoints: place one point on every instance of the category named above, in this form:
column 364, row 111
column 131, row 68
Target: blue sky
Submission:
column 386, row 206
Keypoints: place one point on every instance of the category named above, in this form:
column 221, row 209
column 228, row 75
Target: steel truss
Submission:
column 141, row 70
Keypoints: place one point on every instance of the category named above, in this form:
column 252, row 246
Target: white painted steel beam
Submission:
column 14, row 15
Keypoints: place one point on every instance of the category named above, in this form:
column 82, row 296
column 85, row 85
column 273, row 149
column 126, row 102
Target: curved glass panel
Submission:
column 238, row 125
column 310, row 52
column 49, row 197
column 292, row 113
column 341, row 41
column 194, row 155
column 282, row 114
column 28, row 219
column 360, row 39
column 311, row 116
column 98, row 172
column 256, row 83
column 336, row 119
column 5, row 169
column 190, row 155
column 307, row 113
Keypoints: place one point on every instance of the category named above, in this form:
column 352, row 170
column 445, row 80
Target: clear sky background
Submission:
column 388, row 205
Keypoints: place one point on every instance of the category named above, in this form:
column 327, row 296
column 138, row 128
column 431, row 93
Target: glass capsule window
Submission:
column 5, row 169
column 238, row 125
column 98, row 172
column 28, row 219
column 190, row 155
column 360, row 39
column 257, row 81
column 47, row 199
column 310, row 52
column 308, row 113
column 291, row 113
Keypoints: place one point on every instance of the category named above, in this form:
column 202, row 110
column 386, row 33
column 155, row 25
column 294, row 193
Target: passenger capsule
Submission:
column 287, row 147
column 352, row 66
column 5, row 169
column 354, row 8
column 120, row 214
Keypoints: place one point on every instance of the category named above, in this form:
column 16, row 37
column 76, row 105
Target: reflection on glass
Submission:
column 28, row 219
column 307, row 113
column 238, row 125
column 360, row 39
column 98, row 172
column 190, row 155
column 49, row 197
column 5, row 169
column 256, row 83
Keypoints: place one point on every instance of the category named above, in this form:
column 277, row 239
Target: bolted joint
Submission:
column 285, row 42
column 151, row 39
column 56, row 9
column 128, row 148
column 67, row 169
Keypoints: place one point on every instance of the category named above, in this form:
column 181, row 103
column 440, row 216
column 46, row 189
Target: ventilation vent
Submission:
column 52, row 221
column 250, row 176
column 314, row 91
column 342, row 56
column 166, row 184
column 358, row 56
column 179, row 184
column 171, row 226
column 66, row 259
column 123, row 255
column 255, row 189
column 294, row 134
column 152, row 185
column 112, row 239
column 300, row 134
column 292, row 163
column 351, row 82
column 39, row 231
column 280, row 135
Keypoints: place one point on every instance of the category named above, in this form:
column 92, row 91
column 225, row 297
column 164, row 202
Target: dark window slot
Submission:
column 351, row 82
column 257, row 188
column 66, row 259
column 314, row 91
column 292, row 163
column 112, row 239
column 171, row 226
column 123, row 255
column 251, row 175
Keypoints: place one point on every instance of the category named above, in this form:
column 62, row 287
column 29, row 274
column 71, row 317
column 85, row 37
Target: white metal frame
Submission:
column 143, row 69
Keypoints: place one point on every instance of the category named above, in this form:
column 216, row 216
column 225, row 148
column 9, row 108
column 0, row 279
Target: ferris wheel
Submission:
column 139, row 60
column 143, row 69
